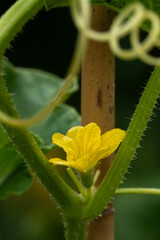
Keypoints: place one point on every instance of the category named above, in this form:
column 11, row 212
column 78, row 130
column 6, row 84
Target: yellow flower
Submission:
column 85, row 146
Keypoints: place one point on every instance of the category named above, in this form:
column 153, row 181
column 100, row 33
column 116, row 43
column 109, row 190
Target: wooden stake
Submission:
column 98, row 105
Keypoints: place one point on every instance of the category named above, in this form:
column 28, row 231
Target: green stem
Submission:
column 89, row 193
column 31, row 152
column 10, row 23
column 15, row 18
column 75, row 229
column 127, row 149
column 87, row 178
column 154, row 191
column 76, row 181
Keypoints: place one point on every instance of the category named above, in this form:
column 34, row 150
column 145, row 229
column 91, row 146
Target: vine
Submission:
column 128, row 21
column 88, row 203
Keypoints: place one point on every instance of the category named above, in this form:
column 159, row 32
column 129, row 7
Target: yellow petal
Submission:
column 89, row 161
column 85, row 146
column 111, row 140
column 84, row 163
column 67, row 144
column 92, row 137
column 88, row 138
column 77, row 134
column 58, row 161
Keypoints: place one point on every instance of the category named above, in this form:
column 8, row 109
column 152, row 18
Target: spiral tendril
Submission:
column 127, row 22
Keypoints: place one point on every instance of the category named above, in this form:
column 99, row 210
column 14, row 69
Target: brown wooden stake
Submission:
column 98, row 105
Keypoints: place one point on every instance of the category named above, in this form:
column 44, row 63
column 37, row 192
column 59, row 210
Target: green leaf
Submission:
column 18, row 182
column 9, row 158
column 31, row 90
column 61, row 120
column 10, row 162
column 49, row 4
column 116, row 5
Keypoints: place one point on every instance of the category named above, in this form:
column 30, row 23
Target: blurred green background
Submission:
column 47, row 42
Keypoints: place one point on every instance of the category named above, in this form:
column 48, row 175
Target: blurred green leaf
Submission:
column 9, row 160
column 16, row 183
column 61, row 120
column 116, row 5
column 10, row 171
column 31, row 90
column 49, row 4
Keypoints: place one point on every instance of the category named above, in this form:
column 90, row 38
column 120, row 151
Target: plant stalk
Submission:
column 98, row 104
column 14, row 19
column 35, row 158
column 10, row 24
column 128, row 147
column 75, row 229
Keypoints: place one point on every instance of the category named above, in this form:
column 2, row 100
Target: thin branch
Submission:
column 76, row 181
column 154, row 191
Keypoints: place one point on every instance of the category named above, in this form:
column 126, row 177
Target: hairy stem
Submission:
column 76, row 181
column 122, row 191
column 127, row 149
column 15, row 18
column 75, row 229
column 31, row 152
column 10, row 23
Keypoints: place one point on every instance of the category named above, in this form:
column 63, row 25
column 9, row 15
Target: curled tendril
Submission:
column 127, row 22
column 70, row 77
